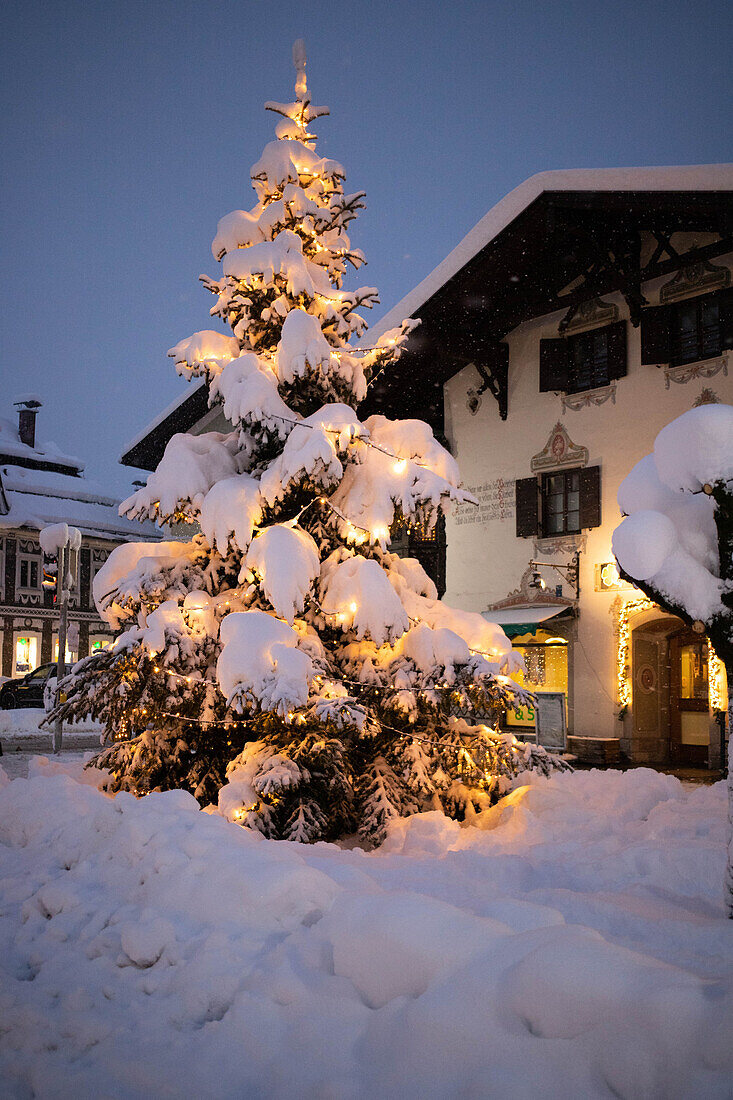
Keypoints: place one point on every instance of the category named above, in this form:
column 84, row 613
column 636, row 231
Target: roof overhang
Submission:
column 146, row 450
column 554, row 229
column 557, row 240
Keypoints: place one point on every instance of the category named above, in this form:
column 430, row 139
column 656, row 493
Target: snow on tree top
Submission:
column 282, row 258
column 239, row 229
column 284, row 161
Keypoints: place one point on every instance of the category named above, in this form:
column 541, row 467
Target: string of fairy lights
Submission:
column 196, row 680
column 716, row 670
column 403, row 462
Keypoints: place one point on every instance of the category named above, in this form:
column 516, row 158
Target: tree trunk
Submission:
column 729, row 866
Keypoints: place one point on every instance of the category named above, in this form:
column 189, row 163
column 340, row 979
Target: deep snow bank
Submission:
column 574, row 946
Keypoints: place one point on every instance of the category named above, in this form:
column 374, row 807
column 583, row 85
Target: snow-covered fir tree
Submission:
column 284, row 660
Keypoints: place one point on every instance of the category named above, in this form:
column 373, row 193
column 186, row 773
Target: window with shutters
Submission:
column 584, row 361
column 688, row 331
column 588, row 361
column 695, row 331
column 560, row 502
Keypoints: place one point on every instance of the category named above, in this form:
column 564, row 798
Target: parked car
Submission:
column 28, row 690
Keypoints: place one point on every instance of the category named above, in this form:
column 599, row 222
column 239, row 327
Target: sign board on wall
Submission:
column 550, row 721
column 495, row 502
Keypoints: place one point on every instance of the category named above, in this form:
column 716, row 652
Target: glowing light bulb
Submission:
column 353, row 608
column 400, row 465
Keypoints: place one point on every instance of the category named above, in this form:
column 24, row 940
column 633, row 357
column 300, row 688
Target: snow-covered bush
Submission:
column 284, row 656
column 676, row 540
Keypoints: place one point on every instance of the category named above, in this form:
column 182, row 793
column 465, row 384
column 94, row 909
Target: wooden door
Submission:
column 689, row 708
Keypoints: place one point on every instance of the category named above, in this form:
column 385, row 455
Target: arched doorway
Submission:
column 671, row 720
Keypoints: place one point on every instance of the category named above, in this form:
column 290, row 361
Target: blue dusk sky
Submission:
column 129, row 129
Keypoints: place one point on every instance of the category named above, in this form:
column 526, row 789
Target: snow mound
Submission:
column 190, row 466
column 126, row 568
column 287, row 562
column 229, row 512
column 696, row 448
column 239, row 229
column 577, row 947
column 260, row 663
column 204, row 349
column 247, row 388
column 358, row 594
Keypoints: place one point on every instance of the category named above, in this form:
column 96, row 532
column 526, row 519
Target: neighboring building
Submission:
column 39, row 486
column 581, row 314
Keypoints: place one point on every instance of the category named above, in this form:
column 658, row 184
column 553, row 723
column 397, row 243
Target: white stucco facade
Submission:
column 486, row 559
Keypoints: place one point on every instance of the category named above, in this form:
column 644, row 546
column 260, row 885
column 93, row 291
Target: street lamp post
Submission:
column 64, row 542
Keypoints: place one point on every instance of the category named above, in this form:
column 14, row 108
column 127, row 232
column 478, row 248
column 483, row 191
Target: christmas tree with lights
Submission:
column 283, row 661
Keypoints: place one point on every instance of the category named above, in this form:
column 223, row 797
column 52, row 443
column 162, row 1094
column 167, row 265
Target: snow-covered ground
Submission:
column 25, row 722
column 576, row 946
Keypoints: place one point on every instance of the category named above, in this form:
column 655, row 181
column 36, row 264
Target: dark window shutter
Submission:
column 655, row 339
column 616, row 350
column 553, row 365
column 590, row 497
column 527, row 500
column 725, row 297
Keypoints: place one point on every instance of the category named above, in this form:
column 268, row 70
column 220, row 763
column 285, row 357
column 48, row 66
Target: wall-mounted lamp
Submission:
column 570, row 573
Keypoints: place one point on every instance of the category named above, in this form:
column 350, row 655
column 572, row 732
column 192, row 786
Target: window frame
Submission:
column 29, row 559
column 578, row 340
column 699, row 302
column 565, row 512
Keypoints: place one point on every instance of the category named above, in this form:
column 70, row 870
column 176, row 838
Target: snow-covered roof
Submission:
column 37, row 498
column 31, row 495
column 699, row 177
column 43, row 451
column 691, row 177
column 161, row 417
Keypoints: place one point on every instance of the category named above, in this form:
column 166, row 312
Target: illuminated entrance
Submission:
column 26, row 653
column 546, row 669
column 689, row 701
column 675, row 691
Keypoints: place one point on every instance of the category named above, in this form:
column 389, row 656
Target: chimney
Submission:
column 27, row 409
